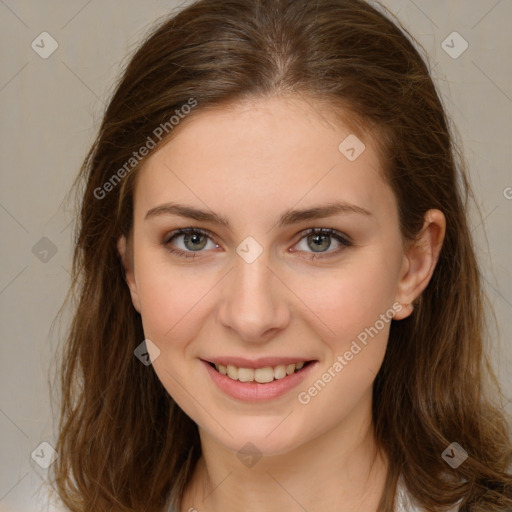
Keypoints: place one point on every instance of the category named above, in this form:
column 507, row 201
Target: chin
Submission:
column 264, row 437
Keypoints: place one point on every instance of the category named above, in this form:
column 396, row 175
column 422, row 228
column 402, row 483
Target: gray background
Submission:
column 50, row 111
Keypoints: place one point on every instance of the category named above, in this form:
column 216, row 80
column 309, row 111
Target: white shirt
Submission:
column 404, row 501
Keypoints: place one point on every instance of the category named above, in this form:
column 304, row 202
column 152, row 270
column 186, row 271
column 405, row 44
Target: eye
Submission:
column 319, row 240
column 194, row 240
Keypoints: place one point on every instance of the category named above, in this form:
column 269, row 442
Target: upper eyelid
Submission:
column 183, row 231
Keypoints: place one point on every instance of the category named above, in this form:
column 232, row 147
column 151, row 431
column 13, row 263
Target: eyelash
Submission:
column 311, row 231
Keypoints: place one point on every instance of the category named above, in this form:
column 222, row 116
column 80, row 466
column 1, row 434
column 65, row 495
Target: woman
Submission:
column 278, row 301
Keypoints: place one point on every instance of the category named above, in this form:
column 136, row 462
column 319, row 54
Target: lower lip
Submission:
column 254, row 391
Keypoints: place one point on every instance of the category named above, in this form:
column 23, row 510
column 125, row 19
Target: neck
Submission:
column 341, row 470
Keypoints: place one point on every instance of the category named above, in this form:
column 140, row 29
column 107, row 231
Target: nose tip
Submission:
column 254, row 304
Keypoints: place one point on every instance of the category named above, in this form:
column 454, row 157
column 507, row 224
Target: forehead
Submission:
column 263, row 154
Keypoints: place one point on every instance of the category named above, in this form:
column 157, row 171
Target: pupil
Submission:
column 195, row 238
column 319, row 242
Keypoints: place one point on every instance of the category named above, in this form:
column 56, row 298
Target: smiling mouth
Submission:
column 260, row 375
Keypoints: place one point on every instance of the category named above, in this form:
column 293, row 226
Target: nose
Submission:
column 254, row 301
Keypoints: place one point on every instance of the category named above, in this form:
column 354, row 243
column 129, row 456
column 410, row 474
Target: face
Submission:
column 268, row 275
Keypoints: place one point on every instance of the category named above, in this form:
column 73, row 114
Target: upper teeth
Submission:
column 261, row 375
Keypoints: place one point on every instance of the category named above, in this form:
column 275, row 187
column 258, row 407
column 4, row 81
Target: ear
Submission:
column 419, row 262
column 125, row 250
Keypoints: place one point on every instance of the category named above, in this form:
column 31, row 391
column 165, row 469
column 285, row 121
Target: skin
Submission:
column 250, row 163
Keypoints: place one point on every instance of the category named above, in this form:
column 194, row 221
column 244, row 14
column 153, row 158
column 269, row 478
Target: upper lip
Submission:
column 261, row 362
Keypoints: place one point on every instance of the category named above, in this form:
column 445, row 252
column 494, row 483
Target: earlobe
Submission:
column 126, row 253
column 420, row 261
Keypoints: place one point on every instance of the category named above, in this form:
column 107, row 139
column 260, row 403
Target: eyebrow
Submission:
column 287, row 218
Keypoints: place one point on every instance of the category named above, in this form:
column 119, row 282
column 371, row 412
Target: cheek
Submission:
column 170, row 298
column 349, row 298
column 356, row 305
column 173, row 311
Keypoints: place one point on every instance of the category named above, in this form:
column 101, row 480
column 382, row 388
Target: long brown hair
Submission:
column 123, row 442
